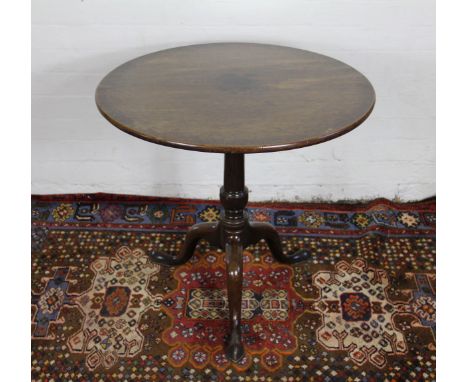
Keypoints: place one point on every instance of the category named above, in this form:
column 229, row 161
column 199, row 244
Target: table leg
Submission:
column 234, row 347
column 270, row 235
column 207, row 231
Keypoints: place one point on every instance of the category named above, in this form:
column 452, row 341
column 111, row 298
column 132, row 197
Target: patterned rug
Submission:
column 363, row 309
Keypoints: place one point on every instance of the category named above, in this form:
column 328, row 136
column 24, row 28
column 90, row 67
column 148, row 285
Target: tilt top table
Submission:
column 235, row 99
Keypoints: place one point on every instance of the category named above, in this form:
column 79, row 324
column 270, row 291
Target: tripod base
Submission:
column 233, row 233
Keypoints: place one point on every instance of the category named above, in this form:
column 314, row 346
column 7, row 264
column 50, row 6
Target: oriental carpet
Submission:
column 362, row 309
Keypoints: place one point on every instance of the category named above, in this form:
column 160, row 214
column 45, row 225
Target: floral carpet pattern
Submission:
column 362, row 309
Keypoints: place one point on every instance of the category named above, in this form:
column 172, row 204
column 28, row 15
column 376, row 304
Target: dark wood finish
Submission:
column 235, row 98
column 232, row 234
column 268, row 233
column 207, row 231
column 234, row 347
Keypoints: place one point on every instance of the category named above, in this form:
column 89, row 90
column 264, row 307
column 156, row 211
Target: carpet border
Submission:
column 429, row 203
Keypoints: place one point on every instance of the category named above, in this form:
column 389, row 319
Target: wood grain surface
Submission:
column 235, row 98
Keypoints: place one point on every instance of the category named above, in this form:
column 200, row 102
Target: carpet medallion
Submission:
column 363, row 309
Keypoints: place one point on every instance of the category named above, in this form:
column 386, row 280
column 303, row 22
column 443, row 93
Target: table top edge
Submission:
column 238, row 149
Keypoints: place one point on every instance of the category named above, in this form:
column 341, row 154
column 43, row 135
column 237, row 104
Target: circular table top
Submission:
column 235, row 98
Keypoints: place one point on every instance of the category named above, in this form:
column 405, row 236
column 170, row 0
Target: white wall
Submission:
column 76, row 42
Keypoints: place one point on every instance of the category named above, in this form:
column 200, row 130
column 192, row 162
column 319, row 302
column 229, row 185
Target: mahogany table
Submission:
column 235, row 99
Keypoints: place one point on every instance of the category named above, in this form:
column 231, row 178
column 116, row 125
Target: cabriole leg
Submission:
column 207, row 231
column 234, row 347
column 270, row 235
